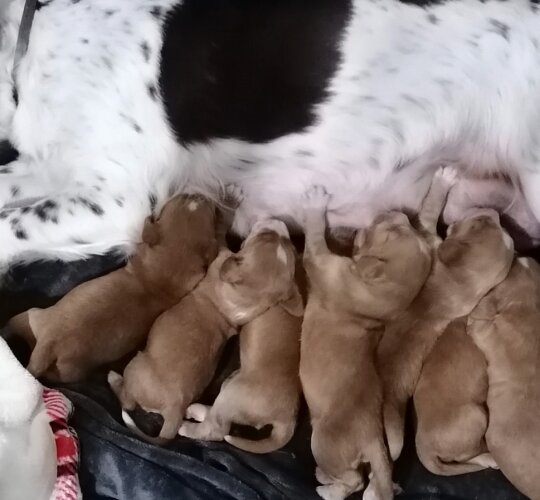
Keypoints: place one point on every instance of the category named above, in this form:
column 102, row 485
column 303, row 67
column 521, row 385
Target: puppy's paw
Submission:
column 188, row 429
column 316, row 197
column 114, row 379
column 332, row 492
column 234, row 196
column 197, row 412
column 322, row 477
column 447, row 176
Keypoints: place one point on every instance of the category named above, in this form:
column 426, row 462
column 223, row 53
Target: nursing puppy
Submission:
column 104, row 319
column 504, row 326
column 450, row 405
column 349, row 300
column 184, row 344
column 266, row 389
column 474, row 258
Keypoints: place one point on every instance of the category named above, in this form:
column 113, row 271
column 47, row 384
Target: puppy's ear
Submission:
column 369, row 268
column 294, row 305
column 150, row 234
column 450, row 251
column 231, row 271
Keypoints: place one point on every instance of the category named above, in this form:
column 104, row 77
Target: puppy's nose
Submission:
column 275, row 225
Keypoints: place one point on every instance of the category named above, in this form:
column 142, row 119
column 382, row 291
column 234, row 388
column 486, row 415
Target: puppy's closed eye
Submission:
column 230, row 271
column 450, row 252
column 369, row 268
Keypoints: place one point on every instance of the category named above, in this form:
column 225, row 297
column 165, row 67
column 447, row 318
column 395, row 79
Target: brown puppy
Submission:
column 343, row 323
column 104, row 319
column 450, row 404
column 266, row 389
column 504, row 326
column 185, row 342
column 475, row 257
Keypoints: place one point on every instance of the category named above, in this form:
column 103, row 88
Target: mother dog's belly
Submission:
column 456, row 83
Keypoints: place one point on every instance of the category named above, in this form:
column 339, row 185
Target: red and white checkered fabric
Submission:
column 59, row 409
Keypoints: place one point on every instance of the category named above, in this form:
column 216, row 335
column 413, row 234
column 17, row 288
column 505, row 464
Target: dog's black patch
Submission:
column 7, row 154
column 153, row 202
column 248, row 69
column 46, row 211
column 499, row 28
column 156, row 12
column 91, row 205
column 145, row 49
column 20, row 233
column 152, row 91
column 15, row 191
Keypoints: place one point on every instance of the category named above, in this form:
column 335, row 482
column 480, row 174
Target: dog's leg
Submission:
column 71, row 226
column 316, row 201
column 435, row 199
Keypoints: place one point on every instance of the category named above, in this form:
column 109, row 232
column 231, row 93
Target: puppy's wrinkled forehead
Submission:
column 387, row 228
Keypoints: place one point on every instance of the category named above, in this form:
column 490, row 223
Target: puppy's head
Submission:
column 478, row 250
column 262, row 273
column 181, row 243
column 510, row 303
column 393, row 260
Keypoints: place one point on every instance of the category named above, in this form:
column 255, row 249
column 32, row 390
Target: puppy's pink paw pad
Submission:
column 447, row 175
column 316, row 196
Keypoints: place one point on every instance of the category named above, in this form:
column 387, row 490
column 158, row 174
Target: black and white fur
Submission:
column 120, row 103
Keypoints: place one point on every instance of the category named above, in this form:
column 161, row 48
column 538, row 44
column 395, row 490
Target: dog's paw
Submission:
column 316, row 197
column 447, row 176
column 197, row 412
column 332, row 492
column 234, row 196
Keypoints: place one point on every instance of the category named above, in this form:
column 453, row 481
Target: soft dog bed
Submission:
column 117, row 465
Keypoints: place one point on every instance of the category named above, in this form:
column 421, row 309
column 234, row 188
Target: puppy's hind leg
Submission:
column 342, row 487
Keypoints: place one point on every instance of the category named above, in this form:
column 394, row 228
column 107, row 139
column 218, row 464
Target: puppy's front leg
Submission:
column 315, row 203
column 225, row 215
column 435, row 200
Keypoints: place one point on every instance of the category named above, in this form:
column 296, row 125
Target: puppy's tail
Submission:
column 282, row 433
column 381, row 469
column 433, row 463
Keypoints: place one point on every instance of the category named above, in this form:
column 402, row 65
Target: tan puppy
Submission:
column 266, row 389
column 450, row 404
column 104, row 319
column 185, row 342
column 504, row 326
column 343, row 323
column 475, row 257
